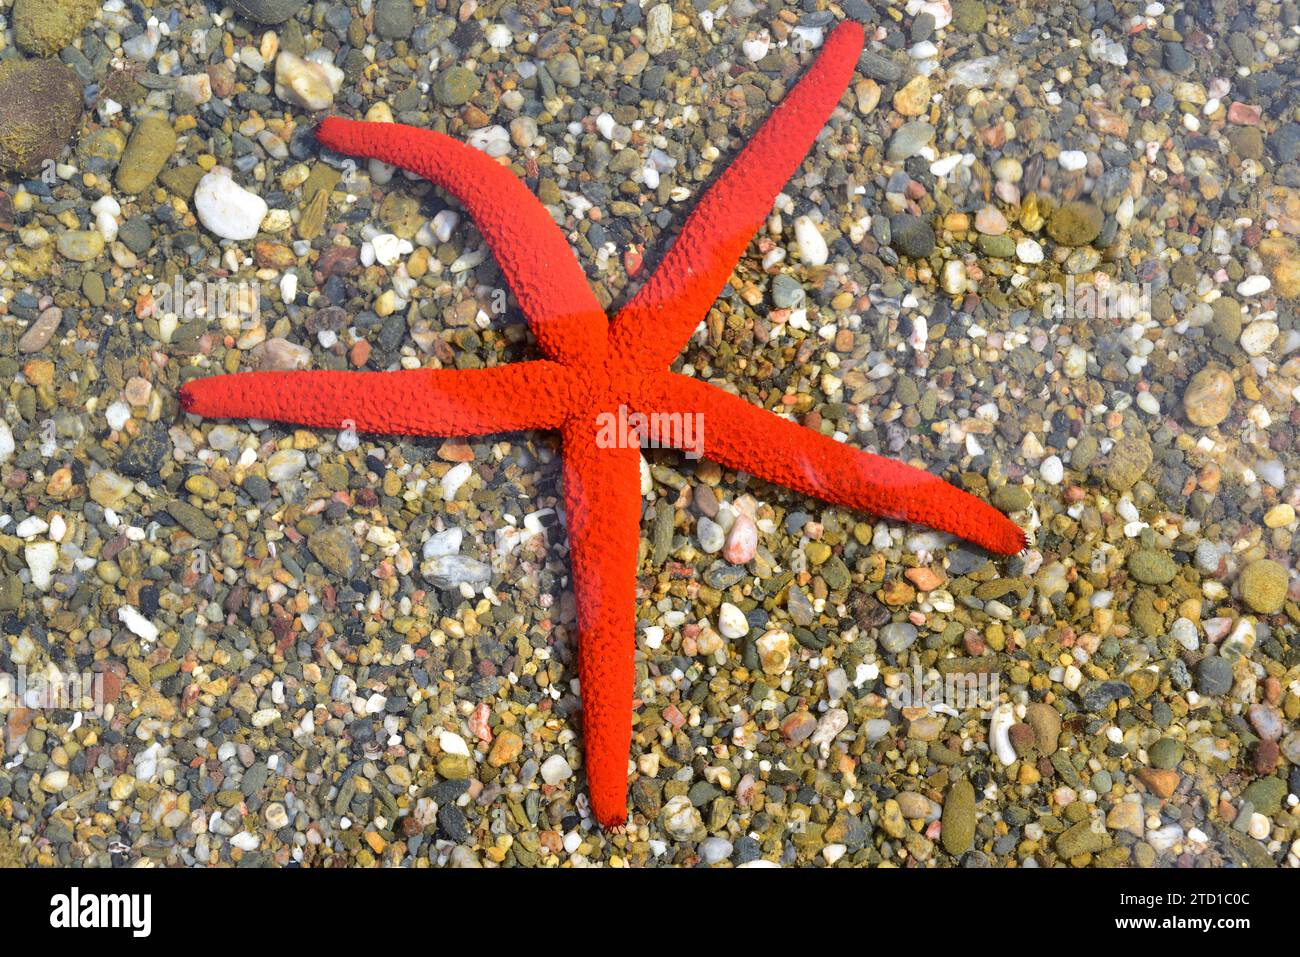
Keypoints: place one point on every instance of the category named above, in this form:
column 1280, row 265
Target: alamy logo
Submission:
column 1105, row 298
column 219, row 299
column 76, row 910
column 952, row 693
column 53, row 690
column 658, row 430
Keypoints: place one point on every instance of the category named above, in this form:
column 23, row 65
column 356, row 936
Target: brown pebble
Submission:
column 1022, row 738
column 41, row 331
column 1158, row 781
column 1265, row 757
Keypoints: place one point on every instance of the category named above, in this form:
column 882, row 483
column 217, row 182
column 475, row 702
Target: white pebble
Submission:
column 812, row 247
column 453, row 743
column 954, row 277
column 556, row 769
column 446, row 542
column 1073, row 159
column 456, row 477
column 941, row 168
column 999, row 734
column 107, row 226
column 137, row 624
column 31, row 526
column 225, row 208
column 493, row 140
column 756, row 47
column 118, row 414
column 444, row 223
column 732, row 621
column 1257, row 337
column 1253, row 285
column 1028, row 251
column 308, row 83
column 1052, row 470
column 41, row 558
column 389, row 250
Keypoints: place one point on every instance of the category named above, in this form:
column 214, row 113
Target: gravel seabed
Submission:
column 1050, row 252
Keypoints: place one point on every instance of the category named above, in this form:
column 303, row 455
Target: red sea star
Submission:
column 594, row 368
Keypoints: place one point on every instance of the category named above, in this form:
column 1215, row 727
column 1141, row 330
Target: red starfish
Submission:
column 595, row 368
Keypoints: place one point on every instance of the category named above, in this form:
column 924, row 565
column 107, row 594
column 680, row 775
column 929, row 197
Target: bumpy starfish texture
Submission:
column 594, row 367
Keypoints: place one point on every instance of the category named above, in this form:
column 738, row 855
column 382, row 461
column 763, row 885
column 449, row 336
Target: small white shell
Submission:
column 999, row 737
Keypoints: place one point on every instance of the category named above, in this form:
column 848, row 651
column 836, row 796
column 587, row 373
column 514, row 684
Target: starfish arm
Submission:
column 437, row 402
column 654, row 325
column 742, row 436
column 534, row 256
column 603, row 513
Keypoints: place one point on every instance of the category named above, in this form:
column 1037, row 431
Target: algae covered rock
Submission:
column 151, row 144
column 40, row 108
column 44, row 27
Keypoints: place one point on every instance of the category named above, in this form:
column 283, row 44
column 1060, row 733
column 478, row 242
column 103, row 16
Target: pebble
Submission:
column 715, row 850
column 41, row 558
column 742, row 541
column 774, row 651
column 732, row 621
column 1214, row 676
column 138, row 624
column 307, row 83
column 1072, row 160
column 336, row 549
column 812, row 247
column 452, row 571
column 226, row 209
column 454, row 480
column 1258, row 337
column 1076, row 223
column 897, row 637
column 911, row 236
column 1152, row 567
column 151, row 145
column 1208, row 397
column 80, row 245
column 1029, row 252
column 1052, row 470
column 40, row 332
column 710, row 535
column 1263, row 584
column 44, row 27
column 908, row 140
column 913, row 98
column 681, row 820
column 556, row 770
column 454, row 86
column 958, row 822
column 40, row 109
column 990, row 221
column 446, row 542
column 110, row 489
column 1165, row 753
column 285, row 465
